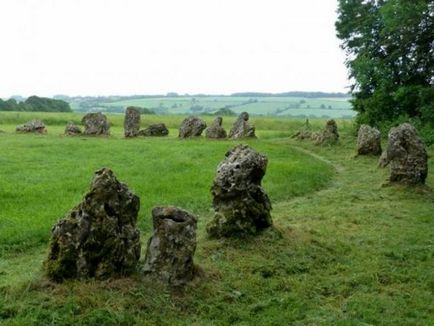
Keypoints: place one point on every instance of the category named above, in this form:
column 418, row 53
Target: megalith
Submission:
column 329, row 135
column 368, row 141
column 406, row 156
column 240, row 203
column 36, row 126
column 98, row 238
column 191, row 127
column 216, row 131
column 241, row 128
column 156, row 130
column 131, row 122
column 170, row 251
column 95, row 124
column 72, row 129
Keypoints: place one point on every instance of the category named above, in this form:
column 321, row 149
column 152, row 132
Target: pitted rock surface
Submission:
column 191, row 127
column 157, row 129
column 95, row 124
column 241, row 128
column 216, row 131
column 368, row 141
column 98, row 238
column 406, row 155
column 329, row 135
column 240, row 203
column 36, row 126
column 72, row 129
column 170, row 251
column 131, row 122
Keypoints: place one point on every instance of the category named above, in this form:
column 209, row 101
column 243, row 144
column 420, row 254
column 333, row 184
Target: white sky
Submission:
column 102, row 47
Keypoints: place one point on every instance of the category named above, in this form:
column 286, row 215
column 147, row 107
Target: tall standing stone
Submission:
column 98, row 238
column 131, row 122
column 329, row 135
column 368, row 141
column 170, row 251
column 241, row 128
column 240, row 203
column 95, row 124
column 406, row 155
column 216, row 131
column 191, row 127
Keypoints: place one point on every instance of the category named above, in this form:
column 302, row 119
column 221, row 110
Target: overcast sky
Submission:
column 102, row 47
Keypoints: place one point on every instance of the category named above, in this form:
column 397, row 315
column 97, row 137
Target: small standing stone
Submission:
column 170, row 251
column 191, row 127
column 95, row 124
column 157, row 129
column 240, row 203
column 241, row 128
column 99, row 237
column 216, row 131
column 368, row 141
column 329, row 135
column 72, row 129
column 36, row 126
column 406, row 155
column 131, row 122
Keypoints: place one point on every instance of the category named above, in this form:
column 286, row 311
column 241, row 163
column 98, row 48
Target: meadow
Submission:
column 345, row 248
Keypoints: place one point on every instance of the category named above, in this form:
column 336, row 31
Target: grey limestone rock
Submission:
column 170, row 251
column 95, row 124
column 191, row 127
column 406, row 156
column 216, row 131
column 240, row 203
column 241, row 128
column 131, row 122
column 72, row 129
column 98, row 238
column 36, row 126
column 157, row 129
column 368, row 141
column 328, row 136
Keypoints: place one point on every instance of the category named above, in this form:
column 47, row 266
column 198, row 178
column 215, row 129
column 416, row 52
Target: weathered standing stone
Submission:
column 36, row 126
column 95, row 124
column 170, row 251
column 72, row 129
column 131, row 122
column 241, row 128
column 329, row 135
column 191, row 127
column 240, row 203
column 157, row 129
column 406, row 155
column 99, row 237
column 368, row 141
column 216, row 131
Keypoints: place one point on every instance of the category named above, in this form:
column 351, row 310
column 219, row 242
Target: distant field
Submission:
column 276, row 106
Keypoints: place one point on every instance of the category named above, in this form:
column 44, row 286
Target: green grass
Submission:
column 344, row 249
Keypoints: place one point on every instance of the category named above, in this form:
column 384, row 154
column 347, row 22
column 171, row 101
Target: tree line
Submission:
column 35, row 104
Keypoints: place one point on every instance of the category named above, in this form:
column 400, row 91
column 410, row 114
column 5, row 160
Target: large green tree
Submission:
column 390, row 56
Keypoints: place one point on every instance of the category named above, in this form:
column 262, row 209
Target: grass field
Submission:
column 276, row 106
column 343, row 250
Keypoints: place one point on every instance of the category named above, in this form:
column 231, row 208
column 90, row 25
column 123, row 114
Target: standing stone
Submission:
column 241, row 128
column 36, row 126
column 191, row 127
column 216, row 131
column 240, row 203
column 329, row 135
column 157, row 129
column 368, row 141
column 72, row 129
column 170, row 251
column 131, row 122
column 99, row 237
column 95, row 124
column 406, row 155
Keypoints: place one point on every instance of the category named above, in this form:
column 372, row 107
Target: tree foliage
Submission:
column 35, row 104
column 390, row 56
